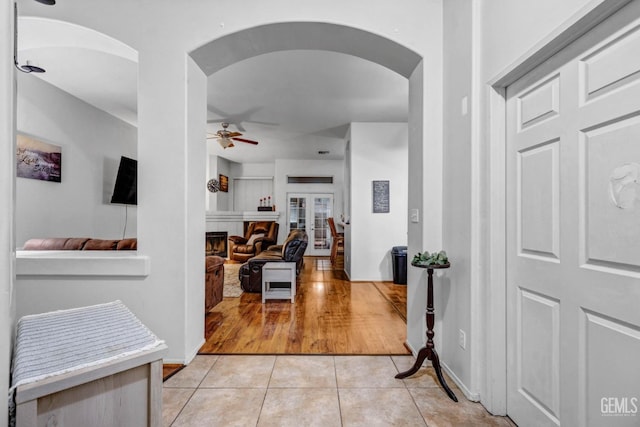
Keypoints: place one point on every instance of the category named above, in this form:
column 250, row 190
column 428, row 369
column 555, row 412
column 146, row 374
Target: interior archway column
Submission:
column 7, row 195
column 425, row 190
column 171, row 211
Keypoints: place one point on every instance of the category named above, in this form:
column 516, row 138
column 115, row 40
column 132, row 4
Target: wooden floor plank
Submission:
column 170, row 369
column 330, row 316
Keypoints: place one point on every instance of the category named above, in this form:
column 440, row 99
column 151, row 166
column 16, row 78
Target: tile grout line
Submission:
column 404, row 382
column 183, row 406
column 194, row 390
column 335, row 372
column 266, row 390
column 413, row 399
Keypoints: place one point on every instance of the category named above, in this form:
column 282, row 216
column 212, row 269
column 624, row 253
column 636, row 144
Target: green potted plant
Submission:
column 434, row 259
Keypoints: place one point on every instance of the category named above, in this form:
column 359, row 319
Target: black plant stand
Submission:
column 429, row 350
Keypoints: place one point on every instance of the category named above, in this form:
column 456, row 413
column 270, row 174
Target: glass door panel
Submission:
column 309, row 212
column 322, row 207
column 297, row 213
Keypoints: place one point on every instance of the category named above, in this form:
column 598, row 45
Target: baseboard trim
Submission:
column 474, row 397
column 194, row 353
column 189, row 357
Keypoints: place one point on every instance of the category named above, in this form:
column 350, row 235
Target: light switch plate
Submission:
column 462, row 339
column 415, row 215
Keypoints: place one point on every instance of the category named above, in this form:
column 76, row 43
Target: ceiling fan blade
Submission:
column 248, row 141
column 233, row 134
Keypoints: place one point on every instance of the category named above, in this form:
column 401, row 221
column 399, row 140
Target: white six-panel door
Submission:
column 573, row 240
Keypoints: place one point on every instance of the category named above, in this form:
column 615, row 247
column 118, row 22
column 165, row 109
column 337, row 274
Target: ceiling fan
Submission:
column 225, row 137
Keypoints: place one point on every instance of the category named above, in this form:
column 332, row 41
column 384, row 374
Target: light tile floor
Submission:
column 325, row 391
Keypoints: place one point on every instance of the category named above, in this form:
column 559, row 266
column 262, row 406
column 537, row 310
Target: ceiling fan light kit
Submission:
column 225, row 137
column 225, row 143
column 28, row 67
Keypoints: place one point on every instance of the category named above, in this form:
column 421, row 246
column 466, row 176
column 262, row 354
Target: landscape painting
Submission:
column 38, row 160
column 224, row 183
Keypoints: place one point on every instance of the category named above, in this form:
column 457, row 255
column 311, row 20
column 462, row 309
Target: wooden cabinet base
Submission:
column 125, row 392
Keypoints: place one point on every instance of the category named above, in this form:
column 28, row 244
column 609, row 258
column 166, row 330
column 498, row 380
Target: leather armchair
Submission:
column 260, row 235
column 292, row 250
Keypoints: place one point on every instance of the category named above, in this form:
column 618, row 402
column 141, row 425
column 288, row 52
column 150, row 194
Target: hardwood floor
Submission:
column 330, row 316
column 170, row 369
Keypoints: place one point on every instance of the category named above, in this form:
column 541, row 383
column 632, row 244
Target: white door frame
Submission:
column 493, row 298
column 310, row 248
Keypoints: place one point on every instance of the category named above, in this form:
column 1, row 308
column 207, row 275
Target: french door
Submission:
column 573, row 239
column 309, row 212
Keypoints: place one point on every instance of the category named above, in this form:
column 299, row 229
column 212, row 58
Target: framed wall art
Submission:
column 380, row 196
column 38, row 160
column 224, row 183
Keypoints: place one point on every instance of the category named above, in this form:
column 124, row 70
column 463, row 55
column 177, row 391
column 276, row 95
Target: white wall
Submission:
column 263, row 188
column 219, row 165
column 452, row 289
column 379, row 152
column 346, row 198
column 253, row 170
column 194, row 206
column 346, row 184
column 225, row 200
column 92, row 143
column 219, row 201
column 511, row 27
column 7, row 181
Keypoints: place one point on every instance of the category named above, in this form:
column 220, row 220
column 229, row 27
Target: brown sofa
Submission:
column 292, row 250
column 259, row 236
column 79, row 244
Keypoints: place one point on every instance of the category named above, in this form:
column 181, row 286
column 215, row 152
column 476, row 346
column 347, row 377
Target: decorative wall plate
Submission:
column 213, row 185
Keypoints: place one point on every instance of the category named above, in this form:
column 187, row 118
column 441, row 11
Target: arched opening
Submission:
column 244, row 44
column 313, row 36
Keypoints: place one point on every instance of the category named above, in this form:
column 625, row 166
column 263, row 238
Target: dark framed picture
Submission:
column 224, row 183
column 380, row 190
column 38, row 160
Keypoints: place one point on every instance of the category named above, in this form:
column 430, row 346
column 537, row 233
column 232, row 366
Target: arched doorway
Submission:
column 229, row 49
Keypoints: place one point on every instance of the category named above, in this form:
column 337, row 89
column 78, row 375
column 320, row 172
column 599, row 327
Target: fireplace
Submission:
column 216, row 243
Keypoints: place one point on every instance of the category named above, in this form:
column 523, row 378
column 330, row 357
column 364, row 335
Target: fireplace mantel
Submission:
column 233, row 222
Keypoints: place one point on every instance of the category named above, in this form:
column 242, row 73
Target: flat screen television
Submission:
column 125, row 190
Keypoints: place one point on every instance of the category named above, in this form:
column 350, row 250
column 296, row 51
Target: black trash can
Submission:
column 399, row 262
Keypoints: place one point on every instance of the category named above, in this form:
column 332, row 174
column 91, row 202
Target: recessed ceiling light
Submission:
column 323, row 152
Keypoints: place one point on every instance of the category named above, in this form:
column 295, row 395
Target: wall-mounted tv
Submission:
column 126, row 189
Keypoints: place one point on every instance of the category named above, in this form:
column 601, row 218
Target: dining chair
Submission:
column 337, row 241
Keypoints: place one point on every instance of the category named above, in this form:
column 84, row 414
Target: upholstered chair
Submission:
column 259, row 236
column 292, row 250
